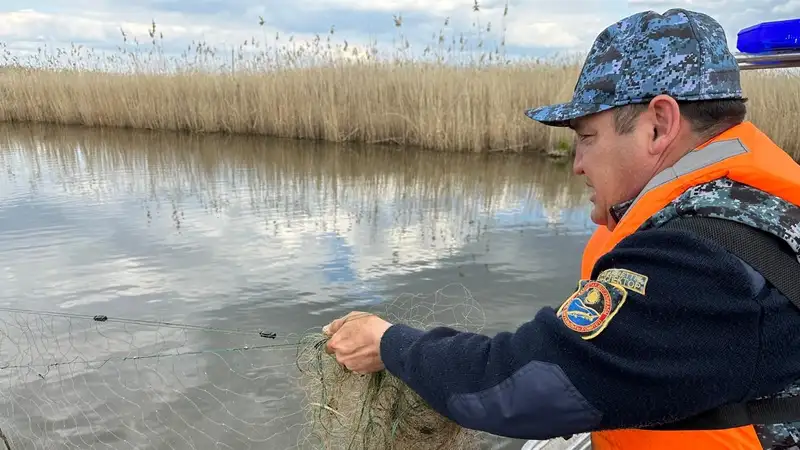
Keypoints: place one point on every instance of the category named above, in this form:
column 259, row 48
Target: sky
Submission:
column 533, row 27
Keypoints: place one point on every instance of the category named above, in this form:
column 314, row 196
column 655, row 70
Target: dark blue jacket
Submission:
column 708, row 330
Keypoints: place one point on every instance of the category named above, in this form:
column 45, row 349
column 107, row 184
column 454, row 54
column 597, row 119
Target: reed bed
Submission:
column 456, row 95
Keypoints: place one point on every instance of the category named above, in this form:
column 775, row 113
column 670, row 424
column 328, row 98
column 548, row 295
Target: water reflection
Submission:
column 241, row 233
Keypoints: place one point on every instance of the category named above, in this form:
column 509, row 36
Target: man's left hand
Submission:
column 355, row 340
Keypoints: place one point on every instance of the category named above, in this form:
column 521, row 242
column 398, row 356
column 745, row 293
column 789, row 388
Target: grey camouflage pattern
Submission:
column 727, row 199
column 781, row 436
column 680, row 53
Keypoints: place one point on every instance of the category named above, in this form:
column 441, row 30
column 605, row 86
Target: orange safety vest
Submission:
column 742, row 153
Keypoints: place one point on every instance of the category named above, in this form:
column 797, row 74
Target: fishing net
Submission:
column 79, row 381
column 350, row 411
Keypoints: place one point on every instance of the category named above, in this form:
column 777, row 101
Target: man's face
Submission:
column 614, row 164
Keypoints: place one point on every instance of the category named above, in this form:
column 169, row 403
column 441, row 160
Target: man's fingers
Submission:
column 356, row 315
column 332, row 345
column 330, row 349
column 333, row 327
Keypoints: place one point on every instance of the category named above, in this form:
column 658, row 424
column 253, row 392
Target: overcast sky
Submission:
column 534, row 27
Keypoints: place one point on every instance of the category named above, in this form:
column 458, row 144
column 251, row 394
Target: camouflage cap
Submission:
column 680, row 53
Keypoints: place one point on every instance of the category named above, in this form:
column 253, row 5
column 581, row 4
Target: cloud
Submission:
column 532, row 27
column 733, row 15
column 791, row 7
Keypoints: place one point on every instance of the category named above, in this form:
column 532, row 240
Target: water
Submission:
column 241, row 233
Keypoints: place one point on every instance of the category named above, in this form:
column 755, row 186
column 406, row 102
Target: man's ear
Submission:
column 665, row 116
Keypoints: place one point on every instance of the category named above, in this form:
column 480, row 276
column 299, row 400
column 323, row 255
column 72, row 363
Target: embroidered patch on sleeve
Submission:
column 628, row 279
column 589, row 310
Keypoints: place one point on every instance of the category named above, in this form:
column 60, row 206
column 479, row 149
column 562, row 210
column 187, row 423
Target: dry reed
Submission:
column 449, row 98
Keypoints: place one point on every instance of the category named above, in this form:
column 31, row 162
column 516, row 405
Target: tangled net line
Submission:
column 81, row 381
column 91, row 381
column 345, row 410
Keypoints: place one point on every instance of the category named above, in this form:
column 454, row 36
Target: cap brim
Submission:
column 560, row 114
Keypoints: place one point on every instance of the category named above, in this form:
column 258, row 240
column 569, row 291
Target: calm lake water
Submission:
column 247, row 234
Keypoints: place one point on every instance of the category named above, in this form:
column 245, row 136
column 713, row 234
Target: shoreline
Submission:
column 460, row 94
column 430, row 107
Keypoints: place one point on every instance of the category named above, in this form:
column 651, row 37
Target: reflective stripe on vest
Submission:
column 743, row 154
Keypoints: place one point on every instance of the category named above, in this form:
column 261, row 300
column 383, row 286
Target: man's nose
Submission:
column 577, row 164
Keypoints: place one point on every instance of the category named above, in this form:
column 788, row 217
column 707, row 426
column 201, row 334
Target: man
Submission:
column 665, row 324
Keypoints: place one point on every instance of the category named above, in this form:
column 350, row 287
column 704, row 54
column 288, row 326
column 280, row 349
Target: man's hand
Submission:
column 355, row 340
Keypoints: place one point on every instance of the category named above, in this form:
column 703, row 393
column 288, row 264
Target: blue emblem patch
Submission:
column 589, row 310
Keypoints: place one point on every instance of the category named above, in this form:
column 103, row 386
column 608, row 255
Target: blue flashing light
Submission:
column 770, row 37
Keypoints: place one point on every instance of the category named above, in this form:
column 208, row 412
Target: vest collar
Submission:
column 618, row 211
column 712, row 153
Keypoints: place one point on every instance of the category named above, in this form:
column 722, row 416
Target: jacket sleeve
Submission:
column 668, row 327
